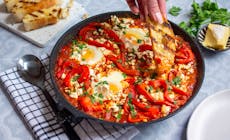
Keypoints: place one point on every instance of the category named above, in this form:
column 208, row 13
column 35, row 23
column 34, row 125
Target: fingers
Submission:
column 142, row 4
column 133, row 6
column 154, row 11
column 162, row 5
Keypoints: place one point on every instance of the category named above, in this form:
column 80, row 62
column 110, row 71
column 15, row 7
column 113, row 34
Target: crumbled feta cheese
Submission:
column 159, row 95
column 165, row 110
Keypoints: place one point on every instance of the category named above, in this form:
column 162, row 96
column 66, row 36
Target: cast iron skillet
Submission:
column 71, row 34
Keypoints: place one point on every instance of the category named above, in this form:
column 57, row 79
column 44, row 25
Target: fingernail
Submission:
column 159, row 17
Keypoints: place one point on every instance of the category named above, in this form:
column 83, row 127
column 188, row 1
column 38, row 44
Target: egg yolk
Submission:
column 113, row 87
column 88, row 54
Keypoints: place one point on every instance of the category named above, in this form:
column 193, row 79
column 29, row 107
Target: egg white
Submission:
column 89, row 55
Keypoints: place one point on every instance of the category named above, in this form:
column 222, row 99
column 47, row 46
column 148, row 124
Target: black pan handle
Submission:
column 63, row 117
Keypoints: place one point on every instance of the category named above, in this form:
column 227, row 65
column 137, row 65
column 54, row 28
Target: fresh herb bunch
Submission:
column 208, row 12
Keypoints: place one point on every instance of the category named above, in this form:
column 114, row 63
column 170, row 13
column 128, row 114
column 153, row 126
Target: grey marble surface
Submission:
column 217, row 76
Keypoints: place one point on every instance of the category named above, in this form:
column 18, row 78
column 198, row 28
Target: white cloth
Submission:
column 33, row 107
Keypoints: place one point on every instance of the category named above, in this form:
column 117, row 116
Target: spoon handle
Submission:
column 61, row 118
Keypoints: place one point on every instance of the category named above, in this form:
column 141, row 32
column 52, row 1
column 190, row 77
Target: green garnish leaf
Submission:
column 124, row 75
column 100, row 95
column 119, row 61
column 92, row 99
column 113, row 65
column 74, row 42
column 176, row 81
column 132, row 109
column 139, row 80
column 130, row 95
column 174, row 11
column 139, row 41
column 150, row 88
column 74, row 78
column 147, row 106
column 102, row 83
column 119, row 115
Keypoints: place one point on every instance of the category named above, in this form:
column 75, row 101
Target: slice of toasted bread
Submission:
column 22, row 8
column 11, row 3
column 41, row 18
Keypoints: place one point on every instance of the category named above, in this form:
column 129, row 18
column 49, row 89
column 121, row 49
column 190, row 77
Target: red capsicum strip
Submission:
column 184, row 55
column 90, row 28
column 145, row 47
column 138, row 118
column 179, row 91
column 88, row 106
column 82, row 70
column 68, row 64
column 127, row 71
column 141, row 89
column 161, row 84
column 172, row 74
column 119, row 42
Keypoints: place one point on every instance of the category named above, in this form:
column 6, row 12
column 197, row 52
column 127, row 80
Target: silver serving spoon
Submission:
column 32, row 70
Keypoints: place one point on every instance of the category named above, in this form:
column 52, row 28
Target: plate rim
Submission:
column 200, row 105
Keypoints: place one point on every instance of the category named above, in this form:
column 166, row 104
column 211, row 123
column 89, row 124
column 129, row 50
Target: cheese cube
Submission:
column 216, row 36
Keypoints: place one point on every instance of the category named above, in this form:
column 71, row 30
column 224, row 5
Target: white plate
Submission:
column 211, row 119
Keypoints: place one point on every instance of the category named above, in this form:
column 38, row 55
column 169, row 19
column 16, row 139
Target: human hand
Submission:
column 154, row 9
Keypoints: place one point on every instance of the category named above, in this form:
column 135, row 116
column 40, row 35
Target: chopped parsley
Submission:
column 119, row 115
column 113, row 65
column 150, row 88
column 102, row 83
column 100, row 95
column 124, row 32
column 85, row 93
column 147, row 106
column 97, row 97
column 121, row 27
column 80, row 45
column 176, row 80
column 119, row 61
column 174, row 11
column 139, row 41
column 132, row 109
column 124, row 75
column 92, row 98
column 169, row 88
column 74, row 42
column 138, row 81
column 75, row 78
column 130, row 95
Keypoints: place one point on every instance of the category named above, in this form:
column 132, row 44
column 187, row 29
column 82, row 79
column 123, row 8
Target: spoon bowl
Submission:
column 32, row 70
